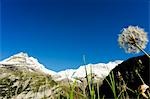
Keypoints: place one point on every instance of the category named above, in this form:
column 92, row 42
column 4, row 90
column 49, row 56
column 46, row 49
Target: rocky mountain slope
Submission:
column 17, row 84
column 23, row 77
column 22, row 60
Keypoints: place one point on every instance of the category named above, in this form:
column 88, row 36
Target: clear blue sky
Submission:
column 59, row 32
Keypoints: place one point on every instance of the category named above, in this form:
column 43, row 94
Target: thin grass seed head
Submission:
column 131, row 36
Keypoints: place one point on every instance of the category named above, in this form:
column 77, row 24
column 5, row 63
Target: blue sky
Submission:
column 59, row 32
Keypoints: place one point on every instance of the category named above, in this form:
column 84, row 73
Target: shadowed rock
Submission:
column 127, row 70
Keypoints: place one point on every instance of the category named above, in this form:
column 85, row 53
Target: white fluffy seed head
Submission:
column 131, row 36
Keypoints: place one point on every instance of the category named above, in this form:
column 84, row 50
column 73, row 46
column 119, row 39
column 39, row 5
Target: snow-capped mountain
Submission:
column 100, row 70
column 23, row 60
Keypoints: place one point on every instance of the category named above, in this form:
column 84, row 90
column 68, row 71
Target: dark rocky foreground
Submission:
column 129, row 75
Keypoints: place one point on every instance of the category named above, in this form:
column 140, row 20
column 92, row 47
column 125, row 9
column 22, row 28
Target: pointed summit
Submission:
column 23, row 60
column 21, row 54
column 17, row 58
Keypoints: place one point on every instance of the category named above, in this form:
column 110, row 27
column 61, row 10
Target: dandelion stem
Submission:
column 142, row 50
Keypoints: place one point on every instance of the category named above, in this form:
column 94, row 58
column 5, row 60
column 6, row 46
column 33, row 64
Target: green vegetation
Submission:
column 17, row 83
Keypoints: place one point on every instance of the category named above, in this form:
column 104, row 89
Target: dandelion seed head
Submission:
column 131, row 36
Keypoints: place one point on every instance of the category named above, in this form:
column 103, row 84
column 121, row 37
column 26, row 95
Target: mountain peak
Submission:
column 21, row 54
column 17, row 58
column 24, row 60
